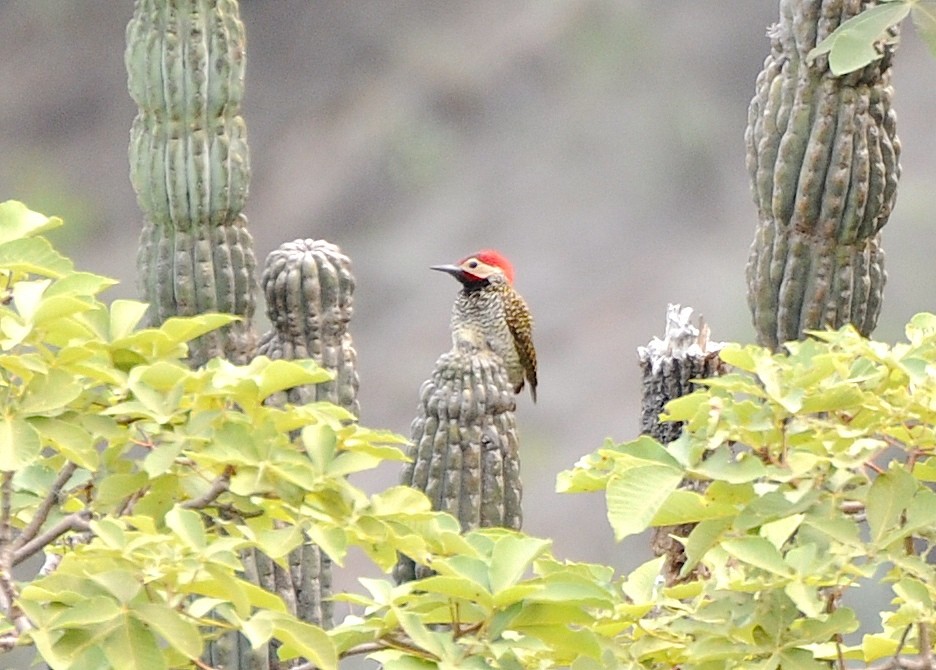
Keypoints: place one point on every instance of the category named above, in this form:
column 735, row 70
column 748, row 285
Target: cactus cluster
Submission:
column 189, row 166
column 464, row 442
column 822, row 153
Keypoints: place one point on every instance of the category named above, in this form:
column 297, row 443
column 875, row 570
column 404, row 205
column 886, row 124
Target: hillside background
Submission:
column 597, row 143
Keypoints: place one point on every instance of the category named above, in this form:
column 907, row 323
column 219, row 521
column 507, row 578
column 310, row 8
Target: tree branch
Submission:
column 76, row 521
column 7, row 642
column 8, row 595
column 926, row 648
column 6, row 507
column 218, row 486
column 42, row 513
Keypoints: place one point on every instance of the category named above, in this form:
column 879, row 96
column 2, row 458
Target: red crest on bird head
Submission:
column 495, row 259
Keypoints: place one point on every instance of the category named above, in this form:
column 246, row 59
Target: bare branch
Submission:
column 218, row 486
column 926, row 647
column 42, row 514
column 902, row 664
column 76, row 521
column 6, row 507
column 8, row 595
column 388, row 642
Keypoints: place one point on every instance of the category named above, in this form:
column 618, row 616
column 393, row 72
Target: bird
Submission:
column 489, row 303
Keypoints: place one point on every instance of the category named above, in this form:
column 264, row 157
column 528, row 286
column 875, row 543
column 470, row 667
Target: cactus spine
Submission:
column 189, row 166
column 464, row 442
column 822, row 154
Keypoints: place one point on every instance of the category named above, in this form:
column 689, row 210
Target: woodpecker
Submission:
column 488, row 303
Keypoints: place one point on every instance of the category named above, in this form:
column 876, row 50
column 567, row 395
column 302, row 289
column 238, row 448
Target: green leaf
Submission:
column 278, row 542
column 399, row 499
column 703, row 537
column 642, row 583
column 759, row 552
column 184, row 329
column 187, row 524
column 280, row 375
column 683, row 506
column 223, row 587
column 34, row 255
column 116, row 487
column 435, row 643
column 176, row 630
column 852, row 45
column 888, row 497
column 19, row 443
column 779, row 531
column 18, row 221
column 110, row 532
column 160, row 459
column 125, row 316
column 304, row 640
column 457, row 588
column 874, row 647
column 73, row 441
column 636, row 492
column 132, row 645
column 86, row 612
column 806, row 598
column 27, row 295
column 50, row 394
column 122, row 584
column 511, row 557
column 80, row 284
column 320, row 443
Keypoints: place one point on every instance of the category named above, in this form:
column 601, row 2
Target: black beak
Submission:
column 453, row 270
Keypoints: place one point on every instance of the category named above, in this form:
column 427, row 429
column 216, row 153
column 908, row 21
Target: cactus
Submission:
column 670, row 367
column 464, row 442
column 308, row 286
column 822, row 153
column 189, row 166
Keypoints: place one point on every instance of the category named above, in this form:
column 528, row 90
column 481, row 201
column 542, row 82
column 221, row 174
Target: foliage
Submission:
column 856, row 43
column 145, row 482
column 817, row 467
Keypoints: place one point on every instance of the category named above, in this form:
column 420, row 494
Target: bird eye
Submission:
column 473, row 264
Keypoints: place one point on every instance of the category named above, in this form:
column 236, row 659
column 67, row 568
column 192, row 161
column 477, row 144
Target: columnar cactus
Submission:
column 669, row 366
column 309, row 289
column 822, row 153
column 464, row 442
column 189, row 166
column 308, row 286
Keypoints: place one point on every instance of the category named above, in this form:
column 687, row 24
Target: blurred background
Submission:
column 597, row 143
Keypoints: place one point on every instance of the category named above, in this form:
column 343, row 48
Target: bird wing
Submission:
column 521, row 327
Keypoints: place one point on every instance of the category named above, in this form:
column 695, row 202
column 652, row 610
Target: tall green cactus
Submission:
column 309, row 288
column 465, row 450
column 822, row 153
column 189, row 165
